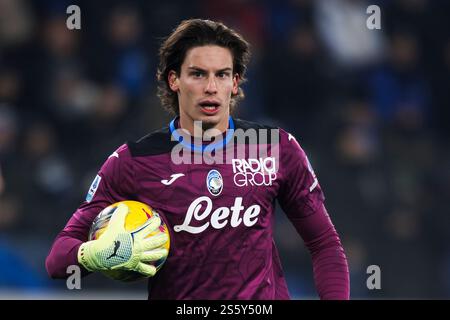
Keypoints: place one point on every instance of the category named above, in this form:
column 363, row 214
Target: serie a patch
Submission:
column 93, row 188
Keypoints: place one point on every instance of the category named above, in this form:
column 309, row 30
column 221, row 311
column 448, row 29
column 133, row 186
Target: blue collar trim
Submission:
column 202, row 148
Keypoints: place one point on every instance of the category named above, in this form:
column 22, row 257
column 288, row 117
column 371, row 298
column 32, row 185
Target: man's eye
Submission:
column 197, row 74
column 223, row 75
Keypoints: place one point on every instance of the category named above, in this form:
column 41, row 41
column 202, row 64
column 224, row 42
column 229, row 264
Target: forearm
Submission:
column 62, row 254
column 331, row 274
column 65, row 249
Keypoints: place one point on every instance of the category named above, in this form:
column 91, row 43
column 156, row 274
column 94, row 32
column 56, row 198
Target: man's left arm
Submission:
column 302, row 200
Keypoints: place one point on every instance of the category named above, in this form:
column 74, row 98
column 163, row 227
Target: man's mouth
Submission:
column 209, row 106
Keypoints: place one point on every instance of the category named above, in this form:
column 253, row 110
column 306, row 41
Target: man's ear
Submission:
column 236, row 79
column 174, row 83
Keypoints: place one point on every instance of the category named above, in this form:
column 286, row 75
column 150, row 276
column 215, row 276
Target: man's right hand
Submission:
column 121, row 249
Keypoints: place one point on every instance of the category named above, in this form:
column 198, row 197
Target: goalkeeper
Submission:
column 220, row 214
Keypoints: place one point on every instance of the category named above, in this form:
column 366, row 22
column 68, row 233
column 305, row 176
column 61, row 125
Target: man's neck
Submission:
column 198, row 128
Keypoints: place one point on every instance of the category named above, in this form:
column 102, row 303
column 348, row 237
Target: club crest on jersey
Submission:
column 93, row 188
column 214, row 182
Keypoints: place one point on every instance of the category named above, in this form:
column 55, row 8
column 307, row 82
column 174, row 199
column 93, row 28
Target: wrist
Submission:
column 83, row 256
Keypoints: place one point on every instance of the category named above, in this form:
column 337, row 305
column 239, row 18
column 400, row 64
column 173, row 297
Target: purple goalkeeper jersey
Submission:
column 220, row 214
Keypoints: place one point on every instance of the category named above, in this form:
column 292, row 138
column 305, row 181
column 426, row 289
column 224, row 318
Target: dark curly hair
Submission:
column 194, row 33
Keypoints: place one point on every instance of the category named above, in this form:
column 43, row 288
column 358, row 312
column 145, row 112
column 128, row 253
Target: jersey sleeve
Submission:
column 300, row 193
column 114, row 182
column 302, row 199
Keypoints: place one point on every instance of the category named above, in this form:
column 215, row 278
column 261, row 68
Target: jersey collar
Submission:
column 206, row 147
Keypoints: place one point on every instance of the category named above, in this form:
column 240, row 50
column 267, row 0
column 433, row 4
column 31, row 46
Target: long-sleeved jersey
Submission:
column 220, row 212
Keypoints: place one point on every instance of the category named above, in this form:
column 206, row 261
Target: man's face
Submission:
column 204, row 86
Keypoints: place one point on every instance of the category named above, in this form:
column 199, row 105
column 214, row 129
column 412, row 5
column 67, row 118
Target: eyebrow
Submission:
column 202, row 70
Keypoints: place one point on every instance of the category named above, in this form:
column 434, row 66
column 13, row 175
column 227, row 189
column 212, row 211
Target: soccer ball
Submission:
column 138, row 214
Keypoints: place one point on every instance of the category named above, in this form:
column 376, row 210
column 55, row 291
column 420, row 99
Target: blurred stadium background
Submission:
column 371, row 108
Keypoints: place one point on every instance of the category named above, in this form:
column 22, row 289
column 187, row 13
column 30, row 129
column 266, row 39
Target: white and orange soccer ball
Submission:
column 138, row 214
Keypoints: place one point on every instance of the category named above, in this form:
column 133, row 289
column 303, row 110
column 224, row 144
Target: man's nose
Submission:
column 211, row 86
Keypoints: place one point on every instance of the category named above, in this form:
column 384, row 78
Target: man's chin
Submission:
column 209, row 122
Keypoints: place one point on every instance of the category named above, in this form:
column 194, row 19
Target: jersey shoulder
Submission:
column 256, row 132
column 154, row 143
column 244, row 125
